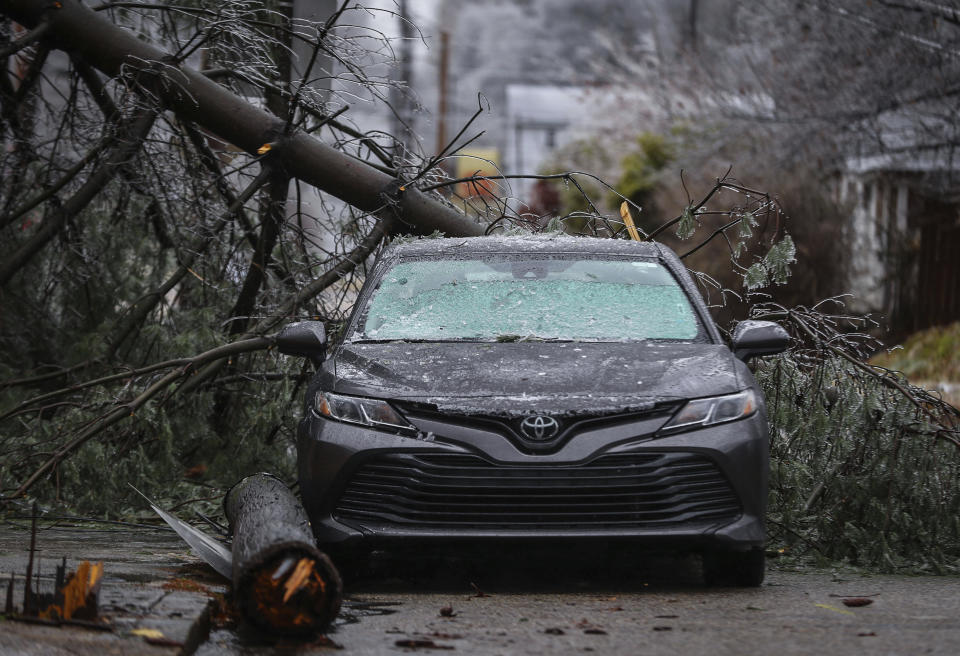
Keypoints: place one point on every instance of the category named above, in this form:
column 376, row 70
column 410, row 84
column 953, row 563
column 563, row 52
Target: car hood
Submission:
column 524, row 377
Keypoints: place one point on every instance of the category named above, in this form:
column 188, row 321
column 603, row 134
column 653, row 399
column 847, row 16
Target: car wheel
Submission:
column 743, row 569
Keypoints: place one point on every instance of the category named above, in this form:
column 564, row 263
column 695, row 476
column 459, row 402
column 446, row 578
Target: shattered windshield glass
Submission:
column 513, row 298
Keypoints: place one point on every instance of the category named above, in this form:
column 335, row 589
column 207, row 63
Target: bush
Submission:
column 859, row 473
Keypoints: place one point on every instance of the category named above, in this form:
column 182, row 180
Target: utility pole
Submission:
column 400, row 97
column 442, row 83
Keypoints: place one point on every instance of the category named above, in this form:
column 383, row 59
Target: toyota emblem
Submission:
column 539, row 427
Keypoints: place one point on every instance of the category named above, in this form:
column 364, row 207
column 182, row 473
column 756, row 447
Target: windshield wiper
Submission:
column 529, row 338
column 497, row 338
column 409, row 340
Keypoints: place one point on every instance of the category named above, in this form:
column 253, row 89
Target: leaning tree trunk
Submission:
column 194, row 97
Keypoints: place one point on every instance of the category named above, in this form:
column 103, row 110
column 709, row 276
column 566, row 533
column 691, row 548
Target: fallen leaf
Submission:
column 477, row 591
column 264, row 149
column 411, row 643
column 856, row 602
column 447, row 611
column 834, row 609
column 148, row 633
column 186, row 585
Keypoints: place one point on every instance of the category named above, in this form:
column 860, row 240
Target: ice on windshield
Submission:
column 527, row 297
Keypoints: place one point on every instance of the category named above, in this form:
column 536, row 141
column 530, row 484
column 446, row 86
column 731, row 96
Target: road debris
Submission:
column 856, row 602
column 74, row 597
column 421, row 643
column 210, row 550
column 281, row 582
column 477, row 592
column 834, row 609
column 156, row 637
column 590, row 628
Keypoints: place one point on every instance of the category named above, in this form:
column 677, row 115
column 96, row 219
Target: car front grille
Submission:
column 510, row 428
column 463, row 491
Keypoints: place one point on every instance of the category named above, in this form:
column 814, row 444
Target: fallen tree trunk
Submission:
column 281, row 582
column 194, row 97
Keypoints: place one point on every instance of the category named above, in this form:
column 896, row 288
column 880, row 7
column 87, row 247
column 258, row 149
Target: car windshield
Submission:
column 522, row 297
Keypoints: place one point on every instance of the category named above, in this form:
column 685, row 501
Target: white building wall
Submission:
column 866, row 271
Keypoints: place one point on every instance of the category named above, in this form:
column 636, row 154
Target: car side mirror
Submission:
column 753, row 338
column 307, row 339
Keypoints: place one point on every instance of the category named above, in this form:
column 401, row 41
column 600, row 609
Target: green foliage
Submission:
column 774, row 267
column 641, row 171
column 580, row 155
column 779, row 258
column 932, row 354
column 755, row 276
column 687, row 224
column 858, row 473
column 748, row 221
column 67, row 312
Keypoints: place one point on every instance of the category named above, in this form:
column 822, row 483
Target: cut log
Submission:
column 281, row 582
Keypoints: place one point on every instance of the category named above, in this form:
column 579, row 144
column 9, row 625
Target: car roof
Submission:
column 532, row 243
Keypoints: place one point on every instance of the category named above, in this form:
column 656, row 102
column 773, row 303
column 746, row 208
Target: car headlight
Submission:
column 355, row 410
column 714, row 410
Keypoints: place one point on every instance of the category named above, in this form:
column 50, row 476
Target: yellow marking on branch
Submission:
column 628, row 221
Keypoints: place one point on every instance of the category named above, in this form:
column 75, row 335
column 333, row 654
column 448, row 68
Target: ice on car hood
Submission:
column 523, row 377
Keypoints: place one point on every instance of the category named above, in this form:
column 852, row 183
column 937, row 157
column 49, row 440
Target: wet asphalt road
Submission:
column 545, row 603
column 659, row 607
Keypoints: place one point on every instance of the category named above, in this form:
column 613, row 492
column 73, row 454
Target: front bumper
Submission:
column 701, row 489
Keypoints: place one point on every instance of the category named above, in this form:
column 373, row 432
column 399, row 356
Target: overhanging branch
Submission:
column 194, row 97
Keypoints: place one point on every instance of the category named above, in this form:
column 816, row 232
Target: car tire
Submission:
column 744, row 569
